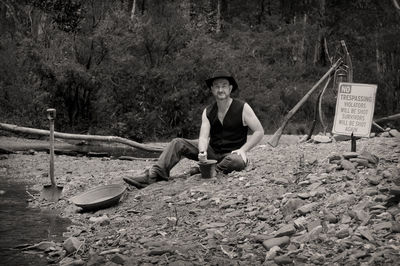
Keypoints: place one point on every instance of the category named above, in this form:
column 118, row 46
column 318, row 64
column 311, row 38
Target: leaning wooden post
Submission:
column 274, row 140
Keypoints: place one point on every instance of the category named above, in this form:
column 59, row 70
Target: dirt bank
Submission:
column 296, row 194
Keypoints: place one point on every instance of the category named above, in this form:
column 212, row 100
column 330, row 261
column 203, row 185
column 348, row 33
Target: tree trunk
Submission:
column 133, row 10
column 218, row 28
column 185, row 7
column 143, row 6
column 262, row 11
column 377, row 55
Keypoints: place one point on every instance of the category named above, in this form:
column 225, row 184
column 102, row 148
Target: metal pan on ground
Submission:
column 99, row 197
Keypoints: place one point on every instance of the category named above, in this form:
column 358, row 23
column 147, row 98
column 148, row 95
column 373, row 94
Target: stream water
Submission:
column 21, row 225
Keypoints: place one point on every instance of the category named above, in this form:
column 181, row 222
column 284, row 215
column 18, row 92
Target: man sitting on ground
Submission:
column 223, row 136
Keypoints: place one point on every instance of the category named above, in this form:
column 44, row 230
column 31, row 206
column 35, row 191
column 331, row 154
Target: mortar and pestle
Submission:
column 207, row 168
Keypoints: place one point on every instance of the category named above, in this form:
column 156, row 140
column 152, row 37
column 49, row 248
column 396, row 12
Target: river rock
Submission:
column 286, row 230
column 350, row 154
column 280, row 180
column 330, row 168
column 395, row 228
column 394, row 133
column 283, row 260
column 96, row 260
column 276, row 241
column 369, row 156
column 307, row 208
column 330, row 217
column 374, row 179
column 342, row 233
column 347, row 165
column 385, row 134
column 315, row 233
column 382, row 226
column 334, row 158
column 394, row 190
column 102, row 220
column 119, row 259
column 359, row 161
column 67, row 261
column 387, row 174
column 321, row 139
column 291, row 205
column 300, row 222
column 271, row 254
column 304, row 195
column 72, row 244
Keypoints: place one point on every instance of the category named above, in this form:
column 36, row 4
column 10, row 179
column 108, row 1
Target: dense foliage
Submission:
column 136, row 68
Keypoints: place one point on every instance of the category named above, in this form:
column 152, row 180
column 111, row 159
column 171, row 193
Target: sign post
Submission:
column 354, row 110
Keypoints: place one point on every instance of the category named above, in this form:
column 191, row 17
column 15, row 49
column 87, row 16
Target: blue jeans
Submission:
column 179, row 148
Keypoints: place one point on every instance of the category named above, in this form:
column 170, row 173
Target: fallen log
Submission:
column 34, row 131
column 5, row 151
column 390, row 117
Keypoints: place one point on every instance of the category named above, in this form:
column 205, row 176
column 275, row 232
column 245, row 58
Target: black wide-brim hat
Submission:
column 223, row 75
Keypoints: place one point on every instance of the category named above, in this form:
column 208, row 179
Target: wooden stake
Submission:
column 353, row 143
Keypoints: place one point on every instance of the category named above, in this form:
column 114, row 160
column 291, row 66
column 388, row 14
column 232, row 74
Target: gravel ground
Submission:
column 296, row 204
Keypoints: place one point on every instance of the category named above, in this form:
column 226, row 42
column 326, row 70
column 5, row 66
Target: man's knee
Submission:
column 177, row 142
column 182, row 146
column 232, row 162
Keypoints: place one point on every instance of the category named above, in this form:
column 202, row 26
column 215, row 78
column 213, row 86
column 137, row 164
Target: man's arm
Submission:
column 251, row 120
column 204, row 133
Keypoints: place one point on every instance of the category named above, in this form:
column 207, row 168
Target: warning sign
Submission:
column 354, row 109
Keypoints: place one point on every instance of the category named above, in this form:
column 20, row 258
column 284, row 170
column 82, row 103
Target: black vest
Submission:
column 232, row 134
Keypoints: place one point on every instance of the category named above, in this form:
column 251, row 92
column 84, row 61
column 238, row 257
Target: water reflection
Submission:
column 22, row 225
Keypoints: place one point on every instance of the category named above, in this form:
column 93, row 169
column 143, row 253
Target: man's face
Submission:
column 221, row 89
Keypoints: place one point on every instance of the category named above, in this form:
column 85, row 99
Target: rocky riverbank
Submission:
column 301, row 204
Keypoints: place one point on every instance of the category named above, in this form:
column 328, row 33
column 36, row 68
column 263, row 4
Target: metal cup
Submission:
column 207, row 168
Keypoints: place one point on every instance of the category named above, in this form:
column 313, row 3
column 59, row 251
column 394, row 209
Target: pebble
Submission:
column 291, row 205
column 382, row 225
column 387, row 174
column 374, row 179
column 304, row 195
column 394, row 133
column 330, row 217
column 119, row 259
column 342, row 233
column 282, row 260
column 360, row 161
column 347, row 165
column 395, row 228
column 276, row 241
column 350, row 154
column 102, row 220
column 307, row 208
column 271, row 254
column 315, row 233
column 72, row 244
column 369, row 156
column 286, row 230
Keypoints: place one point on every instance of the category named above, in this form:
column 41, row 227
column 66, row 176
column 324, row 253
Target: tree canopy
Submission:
column 136, row 68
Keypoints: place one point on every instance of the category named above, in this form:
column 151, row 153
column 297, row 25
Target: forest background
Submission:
column 136, row 68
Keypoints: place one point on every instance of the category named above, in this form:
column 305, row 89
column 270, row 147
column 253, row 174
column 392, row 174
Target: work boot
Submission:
column 143, row 180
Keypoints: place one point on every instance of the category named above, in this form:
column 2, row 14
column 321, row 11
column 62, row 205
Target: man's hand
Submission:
column 242, row 154
column 202, row 156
